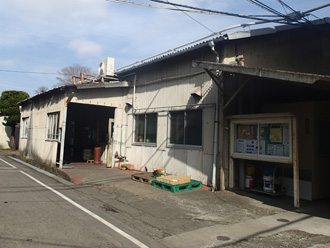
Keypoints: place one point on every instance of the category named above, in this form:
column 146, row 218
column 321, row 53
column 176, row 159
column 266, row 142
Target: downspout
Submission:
column 65, row 113
column 65, row 110
column 133, row 111
column 216, row 124
column 122, row 125
column 134, row 91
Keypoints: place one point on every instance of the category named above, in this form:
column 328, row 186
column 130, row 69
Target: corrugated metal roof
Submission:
column 299, row 77
column 231, row 36
column 119, row 84
column 59, row 88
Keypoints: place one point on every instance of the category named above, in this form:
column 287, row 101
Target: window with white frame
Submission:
column 145, row 128
column 52, row 126
column 186, row 127
column 25, row 127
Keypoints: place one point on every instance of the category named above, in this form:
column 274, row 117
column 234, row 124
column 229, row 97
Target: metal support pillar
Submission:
column 295, row 157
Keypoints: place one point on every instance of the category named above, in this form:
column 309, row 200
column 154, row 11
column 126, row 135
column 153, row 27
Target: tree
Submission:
column 41, row 89
column 69, row 71
column 9, row 108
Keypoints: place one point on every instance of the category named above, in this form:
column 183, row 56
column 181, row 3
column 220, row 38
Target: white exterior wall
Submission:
column 36, row 146
column 109, row 97
column 161, row 96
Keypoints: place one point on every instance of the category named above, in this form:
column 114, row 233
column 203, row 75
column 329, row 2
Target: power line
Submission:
column 297, row 13
column 177, row 9
column 282, row 6
column 17, row 87
column 317, row 8
column 213, row 12
column 198, row 22
column 266, row 7
column 35, row 72
column 218, row 12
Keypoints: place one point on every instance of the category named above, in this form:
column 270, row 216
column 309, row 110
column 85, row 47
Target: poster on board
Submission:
column 275, row 133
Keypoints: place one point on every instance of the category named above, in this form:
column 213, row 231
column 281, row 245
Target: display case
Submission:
column 263, row 139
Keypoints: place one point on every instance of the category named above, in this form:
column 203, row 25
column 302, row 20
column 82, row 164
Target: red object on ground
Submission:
column 97, row 155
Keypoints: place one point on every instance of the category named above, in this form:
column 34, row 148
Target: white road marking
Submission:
column 108, row 224
column 8, row 163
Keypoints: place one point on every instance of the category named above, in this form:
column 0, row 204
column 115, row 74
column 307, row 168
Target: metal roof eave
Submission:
column 59, row 88
column 121, row 84
column 298, row 77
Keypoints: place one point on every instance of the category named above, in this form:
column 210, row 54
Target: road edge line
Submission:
column 108, row 224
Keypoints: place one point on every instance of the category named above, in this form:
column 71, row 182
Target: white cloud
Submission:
column 60, row 9
column 7, row 62
column 85, row 48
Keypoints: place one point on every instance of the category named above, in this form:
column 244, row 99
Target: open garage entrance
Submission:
column 87, row 127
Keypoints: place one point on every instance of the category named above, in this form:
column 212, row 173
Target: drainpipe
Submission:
column 65, row 113
column 216, row 124
column 65, row 110
column 134, row 90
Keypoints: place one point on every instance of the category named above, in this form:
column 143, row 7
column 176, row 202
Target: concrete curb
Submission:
column 61, row 180
column 266, row 225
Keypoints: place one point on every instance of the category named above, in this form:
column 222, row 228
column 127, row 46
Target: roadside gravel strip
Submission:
column 61, row 180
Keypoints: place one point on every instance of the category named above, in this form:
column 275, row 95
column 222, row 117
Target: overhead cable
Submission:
column 219, row 12
column 178, row 9
column 34, row 72
column 17, row 87
column 147, row 5
column 297, row 14
column 266, row 7
column 317, row 8
column 198, row 22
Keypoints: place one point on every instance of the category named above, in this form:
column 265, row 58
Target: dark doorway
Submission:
column 87, row 127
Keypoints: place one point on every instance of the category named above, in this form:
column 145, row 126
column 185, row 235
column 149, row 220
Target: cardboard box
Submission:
column 174, row 180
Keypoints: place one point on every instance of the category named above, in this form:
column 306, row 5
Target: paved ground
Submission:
column 201, row 218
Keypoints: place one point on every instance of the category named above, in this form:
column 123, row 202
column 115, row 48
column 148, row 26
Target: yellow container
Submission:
column 250, row 170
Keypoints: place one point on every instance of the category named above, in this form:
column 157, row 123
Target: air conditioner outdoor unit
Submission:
column 107, row 67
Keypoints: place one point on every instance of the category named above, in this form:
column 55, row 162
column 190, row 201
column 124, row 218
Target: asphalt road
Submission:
column 38, row 211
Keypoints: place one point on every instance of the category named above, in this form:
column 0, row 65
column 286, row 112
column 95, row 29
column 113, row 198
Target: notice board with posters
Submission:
column 266, row 139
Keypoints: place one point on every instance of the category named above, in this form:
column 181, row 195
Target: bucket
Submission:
column 268, row 183
column 97, row 155
column 249, row 182
column 250, row 169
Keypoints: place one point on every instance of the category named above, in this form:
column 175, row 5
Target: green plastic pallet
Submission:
column 177, row 188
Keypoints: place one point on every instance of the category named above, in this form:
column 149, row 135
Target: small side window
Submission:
column 53, row 126
column 145, row 128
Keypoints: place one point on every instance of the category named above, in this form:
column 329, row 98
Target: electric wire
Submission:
column 17, row 87
column 219, row 12
column 266, row 7
column 282, row 6
column 147, row 5
column 317, row 8
column 178, row 9
column 35, row 72
column 297, row 13
column 198, row 22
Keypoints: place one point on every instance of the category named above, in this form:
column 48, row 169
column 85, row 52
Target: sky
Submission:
column 40, row 37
